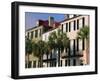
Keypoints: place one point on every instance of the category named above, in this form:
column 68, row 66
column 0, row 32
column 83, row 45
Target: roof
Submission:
column 31, row 28
column 69, row 19
column 45, row 24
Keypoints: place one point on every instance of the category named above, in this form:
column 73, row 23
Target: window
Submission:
column 62, row 27
column 69, row 26
column 83, row 44
column 69, row 48
column 51, row 63
column 29, row 64
column 77, row 24
column 69, row 62
column 74, row 47
column 83, row 22
column 61, row 63
column 34, row 64
column 66, row 27
column 28, row 34
column 40, row 32
column 47, row 56
column 81, row 62
column 74, row 25
column 54, row 63
column 51, row 56
column 36, row 33
column 51, row 60
column 65, row 62
column 31, row 34
column 38, row 63
column 66, row 50
column 25, row 65
column 77, row 44
column 74, row 62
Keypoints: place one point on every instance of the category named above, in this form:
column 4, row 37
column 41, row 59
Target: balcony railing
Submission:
column 71, row 54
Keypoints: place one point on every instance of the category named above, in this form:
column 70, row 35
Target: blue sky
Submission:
column 31, row 18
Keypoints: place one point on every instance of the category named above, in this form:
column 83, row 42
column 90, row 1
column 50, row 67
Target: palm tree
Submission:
column 65, row 42
column 51, row 44
column 59, row 41
column 40, row 51
column 28, row 49
column 62, row 43
column 84, row 34
column 59, row 45
column 47, row 50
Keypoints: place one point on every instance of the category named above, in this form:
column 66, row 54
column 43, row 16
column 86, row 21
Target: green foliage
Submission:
column 38, row 48
column 84, row 33
column 58, row 39
column 28, row 46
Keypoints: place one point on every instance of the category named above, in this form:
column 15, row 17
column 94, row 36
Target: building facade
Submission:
column 76, row 55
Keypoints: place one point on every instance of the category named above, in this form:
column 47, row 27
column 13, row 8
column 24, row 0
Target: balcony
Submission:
column 50, row 58
column 71, row 55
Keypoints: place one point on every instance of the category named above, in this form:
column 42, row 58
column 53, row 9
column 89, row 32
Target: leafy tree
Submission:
column 28, row 49
column 84, row 34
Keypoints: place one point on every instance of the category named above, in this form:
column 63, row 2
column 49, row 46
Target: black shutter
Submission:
column 66, row 27
column 74, row 47
column 83, row 22
column 77, row 24
column 77, row 44
column 69, row 26
column 83, row 44
column 65, row 62
column 74, row 25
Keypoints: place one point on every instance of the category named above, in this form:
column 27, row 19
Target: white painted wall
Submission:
column 5, row 41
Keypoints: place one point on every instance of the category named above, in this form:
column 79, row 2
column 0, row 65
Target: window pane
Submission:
column 77, row 24
column 65, row 62
column 66, row 27
column 69, row 62
column 40, row 32
column 83, row 44
column 74, row 62
column 29, row 64
column 74, row 25
column 62, row 27
column 77, row 44
column 83, row 21
column 34, row 64
column 36, row 33
column 69, row 26
column 74, row 47
column 31, row 34
column 61, row 63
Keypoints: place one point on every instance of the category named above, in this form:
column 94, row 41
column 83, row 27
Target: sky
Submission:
column 31, row 18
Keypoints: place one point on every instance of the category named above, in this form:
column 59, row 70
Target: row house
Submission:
column 77, row 47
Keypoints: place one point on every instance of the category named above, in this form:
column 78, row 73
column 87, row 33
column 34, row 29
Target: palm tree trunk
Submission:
column 27, row 60
column 51, row 59
column 47, row 59
column 58, row 57
column 41, row 60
